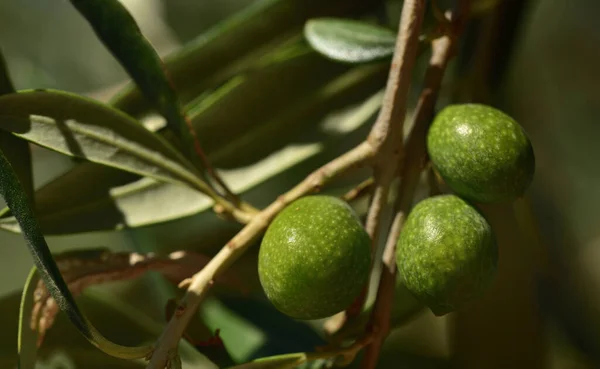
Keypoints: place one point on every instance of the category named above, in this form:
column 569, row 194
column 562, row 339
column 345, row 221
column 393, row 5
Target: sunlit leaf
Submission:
column 87, row 200
column 27, row 337
column 83, row 128
column 350, row 41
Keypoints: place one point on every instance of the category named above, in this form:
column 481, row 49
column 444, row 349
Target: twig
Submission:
column 386, row 135
column 200, row 283
column 387, row 132
column 442, row 52
column 359, row 191
column 209, row 167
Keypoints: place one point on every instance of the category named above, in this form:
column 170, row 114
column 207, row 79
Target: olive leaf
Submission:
column 80, row 127
column 15, row 149
column 119, row 32
column 89, row 198
column 234, row 44
column 27, row 338
column 13, row 194
column 349, row 41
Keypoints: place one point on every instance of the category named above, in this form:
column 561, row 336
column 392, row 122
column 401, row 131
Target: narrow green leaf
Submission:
column 216, row 55
column 15, row 149
column 287, row 361
column 86, row 129
column 27, row 337
column 18, row 153
column 16, row 199
column 350, row 41
column 86, row 199
column 119, row 32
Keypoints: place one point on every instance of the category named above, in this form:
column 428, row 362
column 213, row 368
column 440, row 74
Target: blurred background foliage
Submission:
column 544, row 312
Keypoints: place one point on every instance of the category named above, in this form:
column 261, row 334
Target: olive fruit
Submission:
column 315, row 257
column 446, row 253
column 481, row 153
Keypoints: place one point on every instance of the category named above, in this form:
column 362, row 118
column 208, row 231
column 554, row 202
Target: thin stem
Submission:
column 387, row 132
column 207, row 164
column 386, row 135
column 201, row 282
column 442, row 51
column 359, row 191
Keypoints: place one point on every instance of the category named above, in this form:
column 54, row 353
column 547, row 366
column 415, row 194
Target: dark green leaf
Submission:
column 18, row 153
column 350, row 41
column 86, row 129
column 15, row 149
column 27, row 337
column 119, row 32
column 232, row 45
column 16, row 199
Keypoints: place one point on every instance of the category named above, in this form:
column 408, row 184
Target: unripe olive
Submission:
column 446, row 253
column 481, row 153
column 315, row 257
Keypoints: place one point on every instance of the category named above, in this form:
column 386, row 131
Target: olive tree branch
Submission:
column 442, row 51
column 199, row 285
column 386, row 137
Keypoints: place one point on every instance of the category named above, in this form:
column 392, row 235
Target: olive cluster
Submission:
column 447, row 253
column 315, row 257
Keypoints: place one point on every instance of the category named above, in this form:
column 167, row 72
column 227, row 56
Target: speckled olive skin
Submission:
column 481, row 153
column 447, row 253
column 315, row 258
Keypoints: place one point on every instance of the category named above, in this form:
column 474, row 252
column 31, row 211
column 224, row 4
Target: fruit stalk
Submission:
column 442, row 52
column 199, row 285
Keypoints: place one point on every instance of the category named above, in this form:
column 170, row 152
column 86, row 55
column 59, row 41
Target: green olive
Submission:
column 481, row 153
column 446, row 253
column 315, row 257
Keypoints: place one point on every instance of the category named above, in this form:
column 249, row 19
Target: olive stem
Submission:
column 442, row 52
column 386, row 137
column 200, row 283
